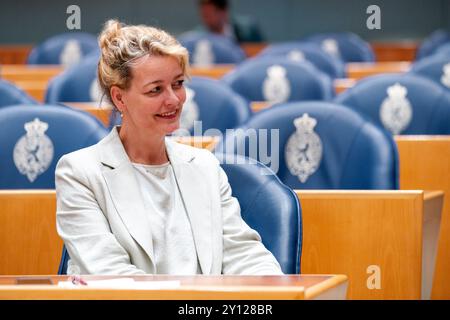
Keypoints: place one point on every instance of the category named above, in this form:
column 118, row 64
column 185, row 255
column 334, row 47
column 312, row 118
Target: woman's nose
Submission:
column 172, row 98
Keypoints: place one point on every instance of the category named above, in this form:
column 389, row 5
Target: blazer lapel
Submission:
column 196, row 199
column 125, row 192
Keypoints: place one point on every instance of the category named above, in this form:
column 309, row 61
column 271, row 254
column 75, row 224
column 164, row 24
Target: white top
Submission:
column 173, row 241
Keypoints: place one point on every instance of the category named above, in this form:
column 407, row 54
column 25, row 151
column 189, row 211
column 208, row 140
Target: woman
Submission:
column 138, row 203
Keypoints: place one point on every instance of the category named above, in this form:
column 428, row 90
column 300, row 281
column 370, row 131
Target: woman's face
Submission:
column 154, row 100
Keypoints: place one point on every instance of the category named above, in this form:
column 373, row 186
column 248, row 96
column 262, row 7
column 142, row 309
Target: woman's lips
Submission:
column 168, row 115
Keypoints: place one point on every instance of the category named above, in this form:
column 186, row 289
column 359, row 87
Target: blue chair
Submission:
column 401, row 103
column 431, row 43
column 347, row 46
column 64, row 49
column 34, row 137
column 443, row 50
column 276, row 80
column 301, row 51
column 318, row 145
column 267, row 205
column 208, row 49
column 436, row 68
column 10, row 94
column 215, row 105
column 76, row 84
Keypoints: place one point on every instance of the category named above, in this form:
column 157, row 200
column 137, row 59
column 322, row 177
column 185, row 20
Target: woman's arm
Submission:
column 92, row 246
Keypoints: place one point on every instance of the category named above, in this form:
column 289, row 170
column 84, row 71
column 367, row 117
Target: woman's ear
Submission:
column 117, row 98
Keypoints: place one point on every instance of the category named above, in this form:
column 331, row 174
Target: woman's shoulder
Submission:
column 83, row 158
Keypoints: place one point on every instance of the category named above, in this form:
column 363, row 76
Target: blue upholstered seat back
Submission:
column 296, row 51
column 211, row 48
column 304, row 82
column 436, row 68
column 413, row 104
column 350, row 47
column 34, row 137
column 331, row 148
column 431, row 43
column 10, row 95
column 51, row 50
column 76, row 84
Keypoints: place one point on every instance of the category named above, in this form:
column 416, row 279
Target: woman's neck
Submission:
column 142, row 147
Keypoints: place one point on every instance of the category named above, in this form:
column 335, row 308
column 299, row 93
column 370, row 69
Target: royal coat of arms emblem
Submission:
column 331, row 47
column 396, row 110
column 445, row 78
column 190, row 112
column 296, row 56
column 33, row 152
column 303, row 150
column 276, row 86
column 95, row 92
column 71, row 54
column 203, row 54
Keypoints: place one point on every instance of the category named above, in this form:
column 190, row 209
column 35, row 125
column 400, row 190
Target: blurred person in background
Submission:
column 216, row 18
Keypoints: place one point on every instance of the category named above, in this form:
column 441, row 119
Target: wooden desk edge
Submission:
column 185, row 292
column 432, row 194
column 341, row 194
column 328, row 284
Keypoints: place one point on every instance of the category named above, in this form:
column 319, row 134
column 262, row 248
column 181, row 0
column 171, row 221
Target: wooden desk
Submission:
column 290, row 287
column 29, row 243
column 35, row 89
column 101, row 112
column 358, row 70
column 33, row 79
column 217, row 71
column 350, row 232
column 199, row 142
column 252, row 49
column 340, row 85
column 425, row 164
column 395, row 51
column 14, row 54
column 15, row 73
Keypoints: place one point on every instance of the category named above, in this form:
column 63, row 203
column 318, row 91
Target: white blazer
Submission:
column 102, row 218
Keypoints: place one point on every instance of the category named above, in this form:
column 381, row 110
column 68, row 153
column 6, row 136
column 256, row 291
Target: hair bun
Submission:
column 111, row 31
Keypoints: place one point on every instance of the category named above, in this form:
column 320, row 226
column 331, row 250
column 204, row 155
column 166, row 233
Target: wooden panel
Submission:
column 199, row 142
column 14, row 54
column 252, row 49
column 340, row 85
column 395, row 51
column 216, row 71
column 101, row 112
column 425, row 164
column 358, row 70
column 197, row 287
column 349, row 231
column 33, row 79
column 35, row 89
column 257, row 106
column 28, row 240
column 15, row 73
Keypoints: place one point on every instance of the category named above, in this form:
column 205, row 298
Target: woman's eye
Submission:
column 155, row 90
column 178, row 84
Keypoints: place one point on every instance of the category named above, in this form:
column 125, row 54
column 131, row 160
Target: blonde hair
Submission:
column 122, row 44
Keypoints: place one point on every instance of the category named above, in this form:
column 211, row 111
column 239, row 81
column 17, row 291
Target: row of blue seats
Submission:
column 328, row 51
column 204, row 48
column 403, row 104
